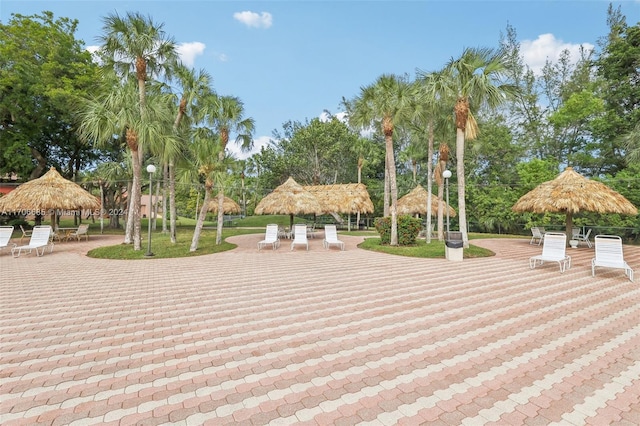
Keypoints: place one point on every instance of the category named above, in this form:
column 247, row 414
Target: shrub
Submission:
column 408, row 229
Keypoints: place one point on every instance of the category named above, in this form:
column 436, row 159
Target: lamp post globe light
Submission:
column 151, row 169
column 446, row 175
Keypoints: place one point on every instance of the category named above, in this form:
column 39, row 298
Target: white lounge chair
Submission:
column 537, row 235
column 5, row 236
column 609, row 254
column 40, row 239
column 584, row 238
column 554, row 248
column 331, row 237
column 83, row 230
column 270, row 237
column 300, row 236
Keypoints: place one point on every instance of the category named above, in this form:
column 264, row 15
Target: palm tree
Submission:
column 384, row 103
column 434, row 116
column 114, row 111
column 226, row 119
column 364, row 150
column 135, row 44
column 475, row 79
column 204, row 157
column 194, row 87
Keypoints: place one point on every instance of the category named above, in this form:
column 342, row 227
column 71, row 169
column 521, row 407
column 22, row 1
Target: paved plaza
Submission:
column 318, row 337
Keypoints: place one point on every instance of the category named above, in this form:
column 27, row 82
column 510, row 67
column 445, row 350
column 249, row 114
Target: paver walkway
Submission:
column 319, row 337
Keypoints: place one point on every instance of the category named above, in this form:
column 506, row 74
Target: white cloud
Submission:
column 253, row 19
column 188, row 52
column 546, row 47
column 258, row 143
column 94, row 53
column 341, row 116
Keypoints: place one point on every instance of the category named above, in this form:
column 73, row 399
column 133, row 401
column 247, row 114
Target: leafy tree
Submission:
column 572, row 122
column 44, row 70
column 366, row 153
column 318, row 152
column 618, row 66
column 530, row 175
column 492, row 177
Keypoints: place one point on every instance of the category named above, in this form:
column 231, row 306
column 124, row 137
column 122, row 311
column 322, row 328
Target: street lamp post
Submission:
column 446, row 175
column 151, row 169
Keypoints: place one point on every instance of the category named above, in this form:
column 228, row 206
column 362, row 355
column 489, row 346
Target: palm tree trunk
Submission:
column 441, row 208
column 220, row 217
column 172, row 202
column 393, row 189
column 135, row 202
column 462, row 210
column 429, row 180
column 201, row 216
column 385, row 197
column 165, row 192
column 360, row 160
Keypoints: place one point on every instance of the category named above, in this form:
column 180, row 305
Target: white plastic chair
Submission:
column 537, row 235
column 609, row 254
column 270, row 237
column 300, row 236
column 331, row 237
column 554, row 249
column 25, row 233
column 40, row 239
column 584, row 238
column 5, row 236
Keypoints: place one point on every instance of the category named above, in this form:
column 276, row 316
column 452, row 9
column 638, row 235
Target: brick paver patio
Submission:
column 318, row 337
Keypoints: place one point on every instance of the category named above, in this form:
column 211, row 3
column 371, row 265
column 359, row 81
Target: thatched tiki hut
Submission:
column 48, row 194
column 289, row 198
column 228, row 205
column 348, row 198
column 571, row 193
column 415, row 202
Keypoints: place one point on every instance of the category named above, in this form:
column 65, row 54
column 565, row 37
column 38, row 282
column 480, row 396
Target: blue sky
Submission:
column 291, row 60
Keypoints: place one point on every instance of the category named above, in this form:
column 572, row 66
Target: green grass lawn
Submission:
column 434, row 250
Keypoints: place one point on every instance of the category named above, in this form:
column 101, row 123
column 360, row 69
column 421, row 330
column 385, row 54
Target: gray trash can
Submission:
column 454, row 246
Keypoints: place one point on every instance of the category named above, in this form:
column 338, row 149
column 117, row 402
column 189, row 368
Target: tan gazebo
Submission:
column 228, row 205
column 289, row 198
column 48, row 194
column 415, row 202
column 571, row 193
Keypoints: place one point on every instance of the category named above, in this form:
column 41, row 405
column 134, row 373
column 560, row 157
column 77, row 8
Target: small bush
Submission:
column 408, row 229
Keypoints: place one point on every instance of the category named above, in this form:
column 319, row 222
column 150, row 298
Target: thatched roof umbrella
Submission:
column 47, row 194
column 343, row 198
column 416, row 202
column 571, row 193
column 228, row 205
column 289, row 198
